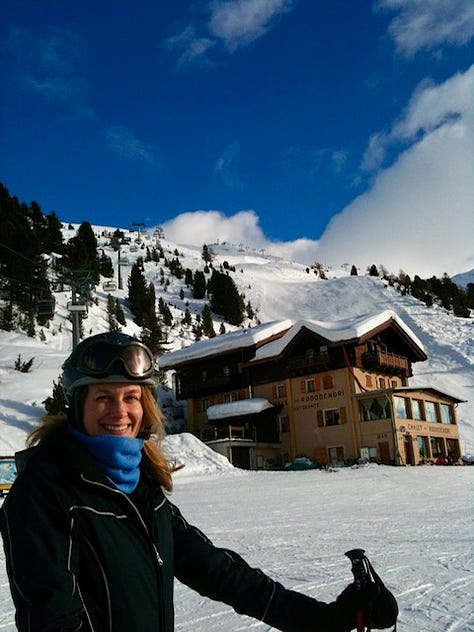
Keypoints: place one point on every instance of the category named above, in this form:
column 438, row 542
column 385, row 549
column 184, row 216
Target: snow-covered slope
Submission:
column 277, row 290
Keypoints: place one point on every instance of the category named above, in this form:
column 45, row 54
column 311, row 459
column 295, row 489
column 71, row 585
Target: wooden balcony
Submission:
column 309, row 363
column 230, row 432
column 386, row 361
column 192, row 388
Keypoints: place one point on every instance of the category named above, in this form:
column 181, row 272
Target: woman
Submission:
column 92, row 541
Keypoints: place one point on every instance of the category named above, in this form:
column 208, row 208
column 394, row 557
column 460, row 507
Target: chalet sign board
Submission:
column 433, row 428
column 311, row 400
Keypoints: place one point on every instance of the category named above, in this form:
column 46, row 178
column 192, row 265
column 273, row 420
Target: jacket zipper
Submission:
column 157, row 556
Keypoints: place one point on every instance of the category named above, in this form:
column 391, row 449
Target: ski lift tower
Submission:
column 136, row 226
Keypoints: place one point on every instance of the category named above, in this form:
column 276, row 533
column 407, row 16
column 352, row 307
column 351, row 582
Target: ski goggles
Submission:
column 101, row 359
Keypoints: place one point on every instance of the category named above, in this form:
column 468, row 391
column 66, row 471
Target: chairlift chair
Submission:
column 45, row 308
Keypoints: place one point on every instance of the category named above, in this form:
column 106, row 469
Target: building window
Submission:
column 368, row 381
column 281, row 390
column 332, row 417
column 327, row 382
column 401, row 407
column 284, row 423
column 446, row 412
column 423, row 447
column 381, row 382
column 375, row 408
column 417, row 409
column 310, row 386
column 393, row 383
column 453, row 449
column 204, row 376
column 205, row 404
column 430, row 411
column 437, row 446
column 336, row 454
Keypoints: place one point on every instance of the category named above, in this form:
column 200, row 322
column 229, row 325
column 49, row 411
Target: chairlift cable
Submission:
column 35, row 263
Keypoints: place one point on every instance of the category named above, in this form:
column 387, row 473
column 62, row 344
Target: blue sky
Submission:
column 247, row 120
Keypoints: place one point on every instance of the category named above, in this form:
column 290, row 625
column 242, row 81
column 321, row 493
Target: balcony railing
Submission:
column 308, row 362
column 191, row 387
column 229, row 432
column 384, row 359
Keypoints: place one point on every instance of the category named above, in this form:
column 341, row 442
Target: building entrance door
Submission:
column 384, row 452
column 241, row 457
column 409, row 456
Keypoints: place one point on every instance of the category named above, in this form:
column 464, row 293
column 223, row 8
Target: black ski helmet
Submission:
column 107, row 357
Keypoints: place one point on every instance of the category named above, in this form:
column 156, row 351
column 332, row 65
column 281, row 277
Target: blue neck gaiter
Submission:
column 118, row 457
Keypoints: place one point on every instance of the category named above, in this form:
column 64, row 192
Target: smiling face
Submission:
column 114, row 409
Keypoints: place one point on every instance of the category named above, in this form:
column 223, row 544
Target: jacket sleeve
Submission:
column 223, row 575
column 35, row 534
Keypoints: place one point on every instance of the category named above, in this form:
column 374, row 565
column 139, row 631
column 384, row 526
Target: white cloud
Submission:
column 429, row 24
column 417, row 216
column 200, row 227
column 192, row 47
column 231, row 24
column 419, row 213
column 127, row 145
column 225, row 167
column 241, row 22
column 241, row 229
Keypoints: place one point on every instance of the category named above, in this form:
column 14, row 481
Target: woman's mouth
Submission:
column 116, row 428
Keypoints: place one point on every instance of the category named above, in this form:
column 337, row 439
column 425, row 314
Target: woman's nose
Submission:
column 118, row 405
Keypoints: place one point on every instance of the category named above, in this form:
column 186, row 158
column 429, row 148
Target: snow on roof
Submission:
column 336, row 331
column 237, row 409
column 233, row 340
column 333, row 331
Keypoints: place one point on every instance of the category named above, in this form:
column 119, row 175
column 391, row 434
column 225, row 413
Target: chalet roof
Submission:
column 242, row 407
column 225, row 343
column 263, row 337
column 350, row 329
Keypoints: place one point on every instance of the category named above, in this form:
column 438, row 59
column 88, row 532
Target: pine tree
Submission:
column 187, row 320
column 199, row 284
column 207, row 324
column 225, row 298
column 188, row 277
column 137, row 294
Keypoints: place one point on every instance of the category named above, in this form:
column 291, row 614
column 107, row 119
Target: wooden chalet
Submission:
column 331, row 391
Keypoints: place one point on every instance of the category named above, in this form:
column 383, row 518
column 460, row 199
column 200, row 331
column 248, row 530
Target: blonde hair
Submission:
column 155, row 464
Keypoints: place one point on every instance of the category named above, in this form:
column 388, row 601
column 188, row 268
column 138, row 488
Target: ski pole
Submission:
column 361, row 580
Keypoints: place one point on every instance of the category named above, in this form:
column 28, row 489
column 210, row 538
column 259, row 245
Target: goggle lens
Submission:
column 101, row 359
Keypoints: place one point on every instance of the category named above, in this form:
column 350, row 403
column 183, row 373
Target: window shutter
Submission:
column 317, row 383
column 274, row 392
column 320, row 418
column 342, row 414
column 327, row 381
column 303, row 386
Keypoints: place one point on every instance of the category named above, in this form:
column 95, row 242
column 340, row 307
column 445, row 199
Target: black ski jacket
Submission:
column 82, row 555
